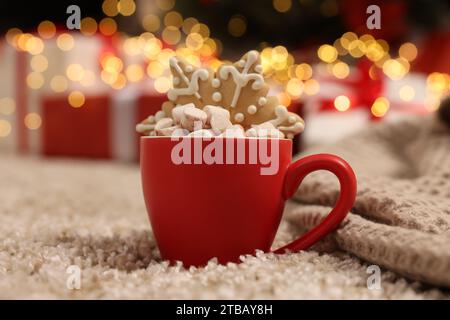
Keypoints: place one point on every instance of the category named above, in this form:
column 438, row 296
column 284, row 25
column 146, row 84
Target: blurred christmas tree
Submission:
column 242, row 25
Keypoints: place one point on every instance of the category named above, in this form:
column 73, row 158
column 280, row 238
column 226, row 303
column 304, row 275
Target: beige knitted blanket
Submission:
column 57, row 214
column 401, row 217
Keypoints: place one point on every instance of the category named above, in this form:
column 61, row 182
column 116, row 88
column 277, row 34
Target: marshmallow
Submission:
column 264, row 130
column 159, row 115
column 205, row 133
column 145, row 128
column 218, row 118
column 178, row 112
column 235, row 131
column 194, row 119
column 169, row 131
column 163, row 123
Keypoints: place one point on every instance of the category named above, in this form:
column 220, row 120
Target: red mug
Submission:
column 199, row 210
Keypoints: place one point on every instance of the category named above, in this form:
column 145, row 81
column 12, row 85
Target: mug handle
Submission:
column 297, row 171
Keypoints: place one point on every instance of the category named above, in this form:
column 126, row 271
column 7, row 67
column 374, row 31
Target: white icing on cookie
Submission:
column 242, row 78
column 282, row 115
column 217, row 96
column 252, row 109
column 189, row 68
column 215, row 83
column 240, row 63
column 192, row 85
column 262, row 101
column 239, row 117
column 258, row 68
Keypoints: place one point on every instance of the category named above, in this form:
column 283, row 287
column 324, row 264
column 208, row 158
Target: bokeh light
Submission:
column 7, row 106
column 65, row 42
column 126, row 7
column 33, row 121
column 107, row 26
column 39, row 63
column 134, row 73
column 171, row 35
column 109, row 8
column 59, row 83
column 162, row 84
column 88, row 26
column 76, row 99
column 341, row 70
column 327, row 53
column 408, row 51
column 237, row 25
column 151, row 22
column 35, row 80
column 165, row 5
column 46, row 29
column 380, row 107
column 407, row 93
column 75, row 72
column 5, row 128
column 282, row 5
column 173, row 18
column 342, row 103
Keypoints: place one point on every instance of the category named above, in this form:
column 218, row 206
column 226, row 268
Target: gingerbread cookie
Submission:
column 236, row 94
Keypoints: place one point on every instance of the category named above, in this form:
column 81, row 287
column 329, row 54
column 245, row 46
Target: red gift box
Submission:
column 76, row 132
column 104, row 127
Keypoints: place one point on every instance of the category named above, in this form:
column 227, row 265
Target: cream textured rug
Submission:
column 58, row 213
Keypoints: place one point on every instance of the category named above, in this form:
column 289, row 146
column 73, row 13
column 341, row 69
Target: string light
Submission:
column 341, row 70
column 33, row 121
column 303, row 71
column 107, row 26
column 311, row 87
column 327, row 53
column 380, row 107
column 46, row 29
column 406, row 93
column 282, row 5
column 342, row 103
column 39, row 63
column 59, row 83
column 12, row 36
column 188, row 24
column 7, row 106
column 65, row 42
column 88, row 78
column 162, row 84
column 134, row 73
column 5, row 128
column 171, row 35
column 35, row 80
column 75, row 72
column 395, row 69
column 173, row 18
column 110, row 8
column 294, row 87
column 237, row 26
column 126, row 7
column 76, row 99
column 88, row 26
column 155, row 69
column 34, row 45
column 151, row 22
column 201, row 29
column 120, row 82
column 165, row 5
column 408, row 51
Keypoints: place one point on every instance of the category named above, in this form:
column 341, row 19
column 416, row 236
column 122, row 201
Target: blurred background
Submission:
column 79, row 93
